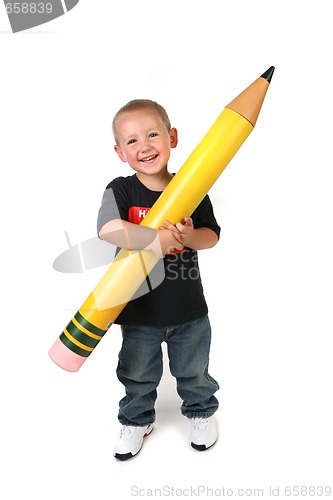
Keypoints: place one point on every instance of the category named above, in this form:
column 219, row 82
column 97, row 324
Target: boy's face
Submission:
column 144, row 141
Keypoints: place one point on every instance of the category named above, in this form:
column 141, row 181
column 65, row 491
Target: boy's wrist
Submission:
column 155, row 246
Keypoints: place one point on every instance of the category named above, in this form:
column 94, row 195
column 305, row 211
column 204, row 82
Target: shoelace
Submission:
column 200, row 423
column 127, row 431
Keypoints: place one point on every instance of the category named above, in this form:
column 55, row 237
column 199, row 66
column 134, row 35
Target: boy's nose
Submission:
column 145, row 145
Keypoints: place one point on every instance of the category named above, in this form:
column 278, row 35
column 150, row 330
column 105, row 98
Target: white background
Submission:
column 268, row 282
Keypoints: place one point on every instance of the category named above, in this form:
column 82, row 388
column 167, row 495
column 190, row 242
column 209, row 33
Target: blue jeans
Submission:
column 140, row 369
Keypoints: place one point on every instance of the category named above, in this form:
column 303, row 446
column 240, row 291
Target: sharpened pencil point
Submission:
column 268, row 74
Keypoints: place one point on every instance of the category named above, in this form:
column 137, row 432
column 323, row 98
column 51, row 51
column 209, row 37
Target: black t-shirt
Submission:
column 179, row 297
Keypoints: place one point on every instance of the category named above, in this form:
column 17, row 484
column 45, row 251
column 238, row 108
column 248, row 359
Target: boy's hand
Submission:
column 169, row 239
column 183, row 231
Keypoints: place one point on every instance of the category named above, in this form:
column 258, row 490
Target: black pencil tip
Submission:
column 268, row 74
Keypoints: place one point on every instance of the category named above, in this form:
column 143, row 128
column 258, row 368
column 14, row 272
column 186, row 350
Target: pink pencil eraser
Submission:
column 65, row 358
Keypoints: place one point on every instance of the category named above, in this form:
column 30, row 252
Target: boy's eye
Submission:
column 131, row 141
column 153, row 134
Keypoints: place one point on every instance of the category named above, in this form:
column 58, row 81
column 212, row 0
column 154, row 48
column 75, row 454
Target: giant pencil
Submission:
column 181, row 197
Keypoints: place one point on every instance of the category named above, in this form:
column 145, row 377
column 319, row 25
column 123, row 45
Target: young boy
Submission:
column 174, row 312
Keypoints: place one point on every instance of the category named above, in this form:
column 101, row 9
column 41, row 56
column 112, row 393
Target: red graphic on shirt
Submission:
column 137, row 214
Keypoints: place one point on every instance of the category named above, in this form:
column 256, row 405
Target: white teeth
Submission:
column 149, row 158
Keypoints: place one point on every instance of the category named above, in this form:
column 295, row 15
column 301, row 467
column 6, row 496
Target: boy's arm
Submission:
column 201, row 238
column 135, row 237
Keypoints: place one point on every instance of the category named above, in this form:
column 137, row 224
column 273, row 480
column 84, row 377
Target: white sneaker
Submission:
column 130, row 441
column 204, row 433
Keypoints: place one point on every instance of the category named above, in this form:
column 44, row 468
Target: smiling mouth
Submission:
column 149, row 158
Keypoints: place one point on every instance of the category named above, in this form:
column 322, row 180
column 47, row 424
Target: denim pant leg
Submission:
column 188, row 350
column 139, row 370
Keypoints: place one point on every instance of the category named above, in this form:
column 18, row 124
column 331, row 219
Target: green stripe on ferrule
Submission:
column 81, row 337
column 89, row 326
column 88, row 343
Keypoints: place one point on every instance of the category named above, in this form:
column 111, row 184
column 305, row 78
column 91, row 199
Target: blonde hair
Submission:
column 137, row 104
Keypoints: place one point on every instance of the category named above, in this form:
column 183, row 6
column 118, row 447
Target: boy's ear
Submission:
column 120, row 153
column 173, row 137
